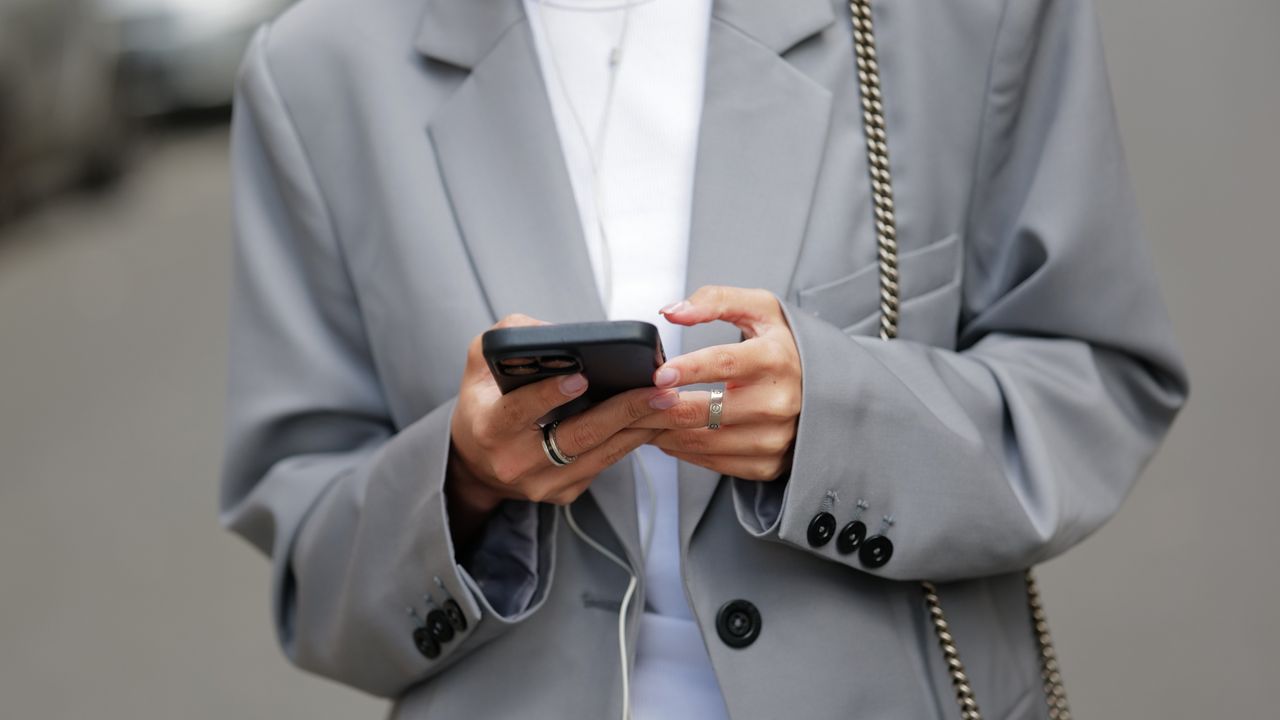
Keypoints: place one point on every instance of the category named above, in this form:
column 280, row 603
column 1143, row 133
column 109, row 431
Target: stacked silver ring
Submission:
column 715, row 409
column 553, row 452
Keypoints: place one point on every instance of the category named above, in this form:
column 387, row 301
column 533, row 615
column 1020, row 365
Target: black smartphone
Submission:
column 614, row 356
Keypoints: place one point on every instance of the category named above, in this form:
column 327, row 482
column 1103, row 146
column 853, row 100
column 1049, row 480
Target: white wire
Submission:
column 595, row 150
column 633, row 576
column 595, row 154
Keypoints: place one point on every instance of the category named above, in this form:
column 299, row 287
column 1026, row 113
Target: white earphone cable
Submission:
column 595, row 155
column 596, row 148
column 633, row 580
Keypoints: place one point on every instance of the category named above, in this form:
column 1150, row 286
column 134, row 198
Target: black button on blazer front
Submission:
column 738, row 623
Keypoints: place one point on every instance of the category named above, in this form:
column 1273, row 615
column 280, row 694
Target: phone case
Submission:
column 614, row 356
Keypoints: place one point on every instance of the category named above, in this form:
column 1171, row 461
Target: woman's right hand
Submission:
column 496, row 449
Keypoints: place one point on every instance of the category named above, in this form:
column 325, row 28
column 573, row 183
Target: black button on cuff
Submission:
column 851, row 537
column 876, row 551
column 426, row 644
column 456, row 618
column 821, row 529
column 439, row 627
column 738, row 623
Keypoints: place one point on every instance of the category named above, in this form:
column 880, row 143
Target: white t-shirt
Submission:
column 642, row 193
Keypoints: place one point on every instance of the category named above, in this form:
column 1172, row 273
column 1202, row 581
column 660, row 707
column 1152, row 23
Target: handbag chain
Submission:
column 864, row 45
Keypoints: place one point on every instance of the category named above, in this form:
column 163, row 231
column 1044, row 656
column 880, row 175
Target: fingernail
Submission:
column 573, row 384
column 674, row 307
column 664, row 400
column 665, row 377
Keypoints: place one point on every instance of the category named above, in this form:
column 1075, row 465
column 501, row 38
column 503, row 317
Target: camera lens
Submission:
column 558, row 362
column 520, row 370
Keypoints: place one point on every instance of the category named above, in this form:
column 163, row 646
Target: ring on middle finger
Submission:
column 553, row 452
column 715, row 409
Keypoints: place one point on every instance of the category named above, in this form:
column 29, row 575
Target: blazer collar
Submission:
column 462, row 32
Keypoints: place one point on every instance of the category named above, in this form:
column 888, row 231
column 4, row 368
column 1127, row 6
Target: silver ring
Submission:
column 715, row 409
column 551, row 449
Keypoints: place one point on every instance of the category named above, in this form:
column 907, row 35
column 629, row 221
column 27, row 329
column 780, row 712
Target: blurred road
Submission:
column 121, row 599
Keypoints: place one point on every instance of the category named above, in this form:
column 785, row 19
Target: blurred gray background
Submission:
column 120, row 598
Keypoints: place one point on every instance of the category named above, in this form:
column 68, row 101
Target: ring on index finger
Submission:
column 715, row 409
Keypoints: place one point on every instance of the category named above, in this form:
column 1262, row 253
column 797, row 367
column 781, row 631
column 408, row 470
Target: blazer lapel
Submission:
column 764, row 127
column 499, row 154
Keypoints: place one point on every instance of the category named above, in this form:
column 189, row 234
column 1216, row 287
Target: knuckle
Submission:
column 583, row 435
column 569, row 495
column 685, row 415
column 760, row 469
column 763, row 298
column 777, row 407
column 692, row 441
column 792, row 401
column 726, row 364
column 481, row 430
column 613, row 455
column 775, row 468
column 776, row 443
column 538, row 493
column 636, row 408
column 774, row 356
column 506, row 470
column 761, row 443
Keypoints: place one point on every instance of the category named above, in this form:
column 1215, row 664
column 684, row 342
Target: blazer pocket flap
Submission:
column 853, row 301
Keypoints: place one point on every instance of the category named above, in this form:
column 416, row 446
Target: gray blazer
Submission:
column 399, row 186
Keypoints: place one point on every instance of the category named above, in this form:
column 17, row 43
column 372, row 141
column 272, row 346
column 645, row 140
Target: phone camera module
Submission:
column 560, row 363
column 517, row 366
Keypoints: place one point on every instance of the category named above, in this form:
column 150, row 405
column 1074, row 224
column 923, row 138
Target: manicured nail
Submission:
column 674, row 307
column 666, row 377
column 664, row 400
column 573, row 384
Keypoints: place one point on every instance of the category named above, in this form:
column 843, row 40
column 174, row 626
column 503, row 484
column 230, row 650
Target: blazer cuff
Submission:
column 510, row 565
column 821, row 477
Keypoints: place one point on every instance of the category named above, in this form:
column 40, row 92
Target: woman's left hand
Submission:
column 762, row 383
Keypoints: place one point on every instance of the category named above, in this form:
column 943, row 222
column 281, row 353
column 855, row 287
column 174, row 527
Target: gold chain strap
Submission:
column 864, row 45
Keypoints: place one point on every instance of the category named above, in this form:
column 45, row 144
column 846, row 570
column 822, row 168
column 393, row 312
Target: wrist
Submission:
column 470, row 503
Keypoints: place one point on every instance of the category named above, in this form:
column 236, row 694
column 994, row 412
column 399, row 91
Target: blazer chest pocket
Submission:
column 929, row 280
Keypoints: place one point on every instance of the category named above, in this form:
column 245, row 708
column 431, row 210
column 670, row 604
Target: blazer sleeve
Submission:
column 1021, row 442
column 349, row 507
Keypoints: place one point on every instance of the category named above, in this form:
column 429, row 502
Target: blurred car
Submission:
column 61, row 112
column 184, row 54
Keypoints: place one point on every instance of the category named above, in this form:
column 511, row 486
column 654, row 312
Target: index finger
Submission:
column 719, row 363
column 751, row 310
